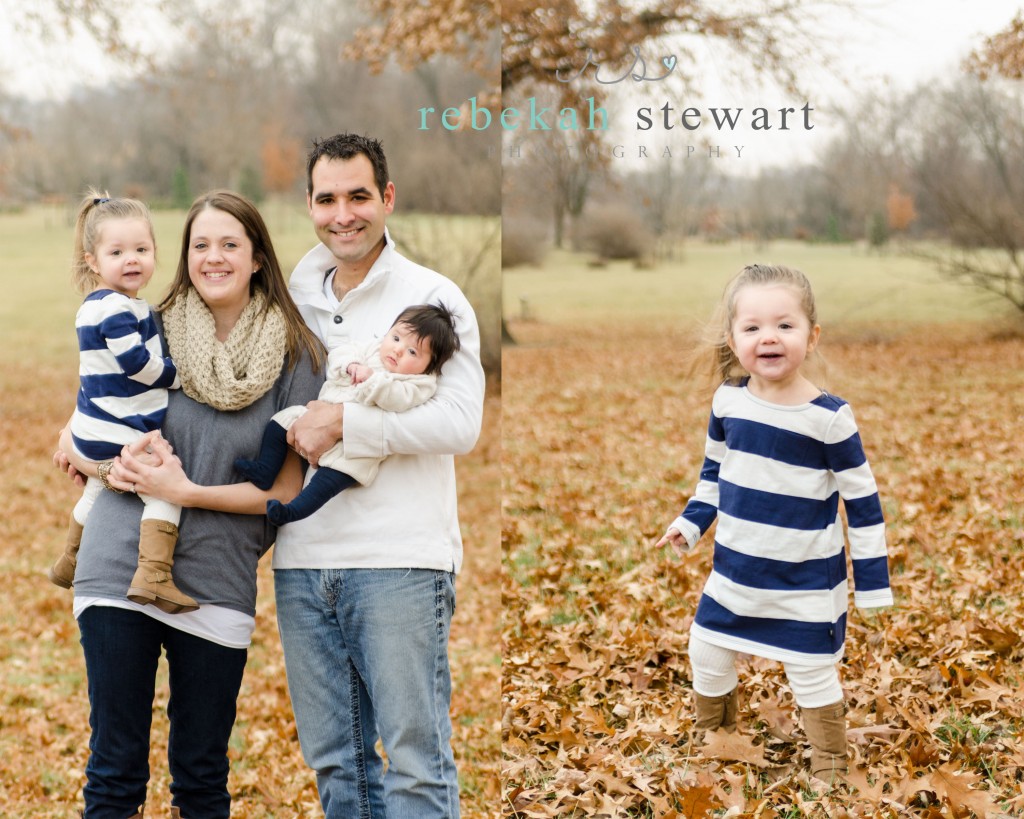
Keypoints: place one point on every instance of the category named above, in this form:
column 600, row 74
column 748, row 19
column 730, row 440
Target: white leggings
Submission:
column 155, row 509
column 714, row 674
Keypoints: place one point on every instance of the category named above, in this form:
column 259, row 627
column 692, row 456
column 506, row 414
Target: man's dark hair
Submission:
column 436, row 323
column 346, row 146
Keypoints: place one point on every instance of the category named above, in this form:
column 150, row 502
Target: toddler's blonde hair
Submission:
column 724, row 365
column 94, row 210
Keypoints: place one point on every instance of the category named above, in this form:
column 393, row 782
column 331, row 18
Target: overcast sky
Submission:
column 907, row 40
column 884, row 43
column 49, row 70
column 915, row 39
column 901, row 44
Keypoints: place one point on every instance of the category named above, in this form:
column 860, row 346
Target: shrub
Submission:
column 523, row 242
column 616, row 233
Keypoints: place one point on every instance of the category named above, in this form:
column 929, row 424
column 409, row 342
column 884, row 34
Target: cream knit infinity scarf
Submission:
column 232, row 374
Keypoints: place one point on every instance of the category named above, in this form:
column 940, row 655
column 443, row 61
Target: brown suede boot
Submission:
column 153, row 582
column 175, row 813
column 716, row 712
column 62, row 573
column 826, row 732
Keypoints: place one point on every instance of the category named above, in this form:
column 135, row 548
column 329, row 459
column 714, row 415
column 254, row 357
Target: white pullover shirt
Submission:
column 408, row 517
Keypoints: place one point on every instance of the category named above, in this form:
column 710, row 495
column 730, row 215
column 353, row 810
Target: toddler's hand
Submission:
column 151, row 449
column 674, row 538
column 61, row 460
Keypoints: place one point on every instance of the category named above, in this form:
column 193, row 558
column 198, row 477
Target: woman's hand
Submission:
column 674, row 538
column 143, row 450
column 150, row 467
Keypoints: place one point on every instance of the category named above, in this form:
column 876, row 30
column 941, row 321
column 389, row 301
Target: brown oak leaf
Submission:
column 697, row 801
column 739, row 747
column 953, row 785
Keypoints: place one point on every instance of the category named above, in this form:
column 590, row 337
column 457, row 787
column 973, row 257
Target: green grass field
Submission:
column 853, row 288
column 39, row 304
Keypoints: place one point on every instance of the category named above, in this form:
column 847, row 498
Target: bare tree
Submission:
column 869, row 156
column 562, row 165
column 971, row 175
column 100, row 20
column 545, row 42
column 412, row 32
column 555, row 49
column 672, row 199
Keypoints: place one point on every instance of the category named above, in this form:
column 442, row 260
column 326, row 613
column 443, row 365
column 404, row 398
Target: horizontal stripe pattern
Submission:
column 146, row 404
column 868, row 541
column 123, row 374
column 100, row 440
column 776, row 509
column 813, row 605
column 773, row 477
column 872, row 575
column 766, row 475
column 779, row 543
column 797, row 640
column 866, row 511
column 783, row 446
column 758, row 572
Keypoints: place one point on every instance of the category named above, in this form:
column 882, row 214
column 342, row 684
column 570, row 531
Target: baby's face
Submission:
column 403, row 352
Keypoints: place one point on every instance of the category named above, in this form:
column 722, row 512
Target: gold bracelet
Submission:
column 103, row 472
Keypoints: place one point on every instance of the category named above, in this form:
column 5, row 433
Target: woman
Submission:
column 243, row 353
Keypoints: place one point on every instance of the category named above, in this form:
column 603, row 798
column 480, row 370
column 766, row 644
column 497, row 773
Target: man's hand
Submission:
column 317, row 431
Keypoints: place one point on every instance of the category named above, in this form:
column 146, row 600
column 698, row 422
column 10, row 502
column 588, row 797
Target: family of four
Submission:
column 197, row 417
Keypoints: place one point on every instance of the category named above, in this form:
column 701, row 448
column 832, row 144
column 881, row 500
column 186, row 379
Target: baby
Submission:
column 395, row 374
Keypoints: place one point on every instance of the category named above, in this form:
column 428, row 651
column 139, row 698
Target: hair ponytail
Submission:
column 93, row 211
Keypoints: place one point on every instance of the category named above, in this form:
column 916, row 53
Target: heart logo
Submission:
column 669, row 62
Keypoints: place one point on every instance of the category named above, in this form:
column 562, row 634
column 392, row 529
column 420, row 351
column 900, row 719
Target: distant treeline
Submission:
column 233, row 108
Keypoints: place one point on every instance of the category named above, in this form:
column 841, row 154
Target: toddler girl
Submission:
column 124, row 380
column 779, row 455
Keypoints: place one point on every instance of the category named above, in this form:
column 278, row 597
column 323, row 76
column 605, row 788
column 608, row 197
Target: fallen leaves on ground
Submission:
column 44, row 709
column 602, row 443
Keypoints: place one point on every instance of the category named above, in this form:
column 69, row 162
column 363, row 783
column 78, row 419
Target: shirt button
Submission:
column 338, row 319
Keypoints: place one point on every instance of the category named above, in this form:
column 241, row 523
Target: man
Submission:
column 365, row 586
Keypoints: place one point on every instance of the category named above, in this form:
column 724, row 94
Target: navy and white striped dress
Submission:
column 773, row 476
column 124, row 374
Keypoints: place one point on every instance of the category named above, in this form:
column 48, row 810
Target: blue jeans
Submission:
column 366, row 651
column 122, row 648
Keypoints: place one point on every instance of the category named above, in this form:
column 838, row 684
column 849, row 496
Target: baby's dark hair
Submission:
column 436, row 323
